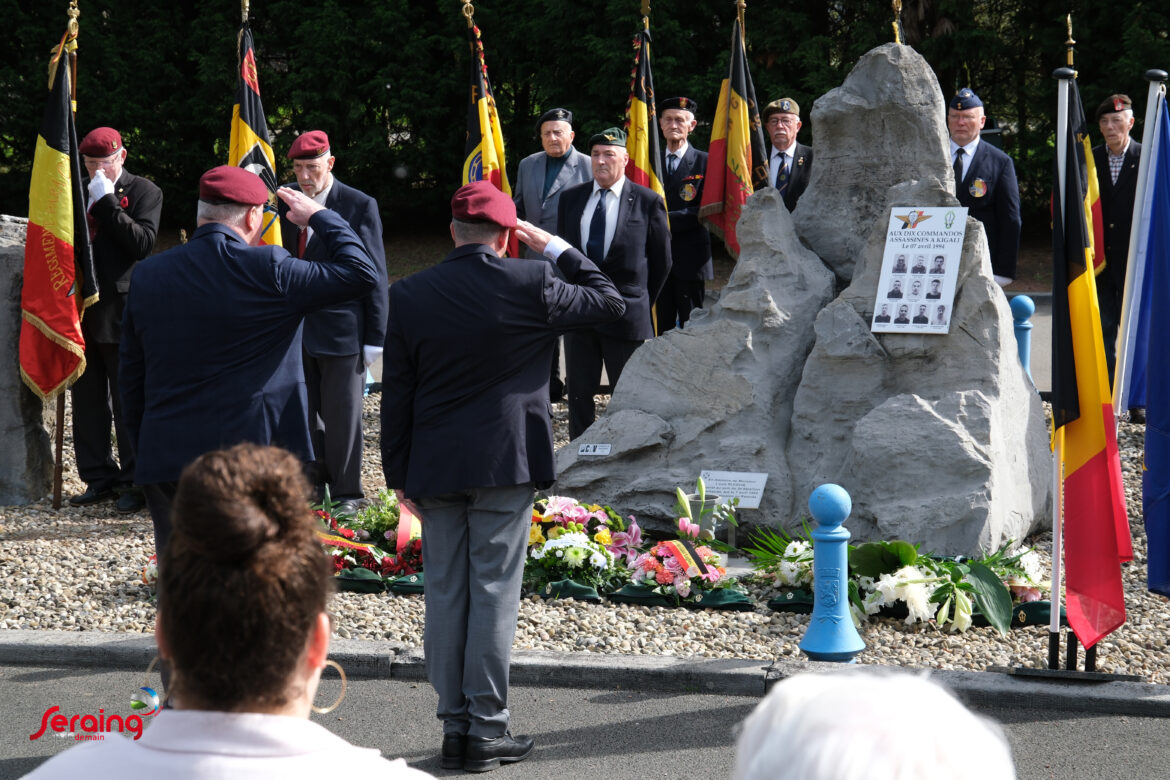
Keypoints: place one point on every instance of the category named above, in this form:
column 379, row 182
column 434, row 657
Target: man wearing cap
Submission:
column 123, row 213
column 540, row 180
column 985, row 182
column 684, row 167
column 211, row 340
column 789, row 163
column 341, row 340
column 1117, row 172
column 621, row 226
column 467, row 437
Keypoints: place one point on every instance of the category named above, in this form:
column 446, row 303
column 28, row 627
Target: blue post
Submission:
column 830, row 635
column 1023, row 308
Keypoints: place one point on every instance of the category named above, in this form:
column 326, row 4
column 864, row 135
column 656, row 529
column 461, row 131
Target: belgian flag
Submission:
column 59, row 279
column 484, row 152
column 250, row 147
column 737, row 157
column 1096, row 527
column 645, row 164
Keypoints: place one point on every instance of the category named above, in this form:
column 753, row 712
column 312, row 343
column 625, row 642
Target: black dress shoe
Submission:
column 92, row 495
column 1137, row 416
column 484, row 755
column 130, row 502
column 454, row 746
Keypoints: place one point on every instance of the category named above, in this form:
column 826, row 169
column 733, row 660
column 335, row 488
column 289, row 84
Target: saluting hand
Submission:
column 300, row 205
column 533, row 236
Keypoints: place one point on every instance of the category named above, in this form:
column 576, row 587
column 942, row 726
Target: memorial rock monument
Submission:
column 940, row 439
column 26, row 460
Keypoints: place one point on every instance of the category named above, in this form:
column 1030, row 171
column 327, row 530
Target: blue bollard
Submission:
column 1023, row 308
column 830, row 635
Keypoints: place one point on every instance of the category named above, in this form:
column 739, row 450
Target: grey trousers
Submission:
column 474, row 543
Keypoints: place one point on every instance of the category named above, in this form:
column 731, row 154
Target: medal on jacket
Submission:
column 689, row 190
column 978, row 188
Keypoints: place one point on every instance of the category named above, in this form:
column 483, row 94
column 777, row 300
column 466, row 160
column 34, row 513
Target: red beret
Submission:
column 101, row 142
column 230, row 184
column 480, row 201
column 309, row 145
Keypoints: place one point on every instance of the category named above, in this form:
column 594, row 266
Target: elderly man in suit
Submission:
column 985, row 182
column 467, row 437
column 123, row 222
column 342, row 340
column 1117, row 171
column 690, row 244
column 540, row 180
column 789, row 162
column 622, row 227
column 211, row 340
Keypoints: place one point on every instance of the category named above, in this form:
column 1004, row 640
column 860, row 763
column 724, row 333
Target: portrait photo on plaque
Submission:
column 920, row 268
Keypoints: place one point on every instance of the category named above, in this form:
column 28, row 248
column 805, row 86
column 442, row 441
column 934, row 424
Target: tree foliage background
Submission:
column 388, row 79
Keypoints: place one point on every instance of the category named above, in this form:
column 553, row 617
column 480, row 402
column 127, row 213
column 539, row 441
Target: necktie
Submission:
column 595, row 246
column 959, row 169
column 782, row 173
column 671, row 164
column 302, row 240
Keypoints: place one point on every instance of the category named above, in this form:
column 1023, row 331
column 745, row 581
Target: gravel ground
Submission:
column 80, row 569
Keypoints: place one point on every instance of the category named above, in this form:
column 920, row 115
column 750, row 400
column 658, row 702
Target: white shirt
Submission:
column 788, row 155
column 611, row 210
column 968, row 153
column 320, row 199
column 682, row 150
column 198, row 745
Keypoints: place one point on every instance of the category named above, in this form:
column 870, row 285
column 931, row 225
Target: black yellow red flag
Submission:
column 484, row 152
column 645, row 163
column 1096, row 527
column 59, row 280
column 250, row 146
column 737, row 157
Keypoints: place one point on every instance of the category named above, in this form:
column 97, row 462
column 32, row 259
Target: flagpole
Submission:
column 1136, row 261
column 1064, row 76
column 740, row 8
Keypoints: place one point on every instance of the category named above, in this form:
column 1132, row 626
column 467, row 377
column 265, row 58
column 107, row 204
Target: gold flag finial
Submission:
column 469, row 13
column 73, row 12
column 1070, row 42
column 897, row 6
column 244, row 11
column 740, row 7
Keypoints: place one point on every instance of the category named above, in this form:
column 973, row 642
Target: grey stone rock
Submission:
column 26, row 461
column 938, row 439
column 717, row 394
column 885, row 124
column 13, row 231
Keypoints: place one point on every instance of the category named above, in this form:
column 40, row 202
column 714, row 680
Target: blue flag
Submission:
column 1156, row 319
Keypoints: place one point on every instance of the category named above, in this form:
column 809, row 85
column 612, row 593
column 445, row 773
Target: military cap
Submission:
column 681, row 103
column 232, row 184
column 101, row 142
column 781, row 106
column 480, row 201
column 554, row 115
column 309, row 146
column 1114, row 104
column 613, row 136
column 965, row 99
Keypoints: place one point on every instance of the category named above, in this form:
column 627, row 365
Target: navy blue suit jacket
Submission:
column 211, row 343
column 991, row 194
column 344, row 328
column 465, row 371
column 638, row 259
column 690, row 243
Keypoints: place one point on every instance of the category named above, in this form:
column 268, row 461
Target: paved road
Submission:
column 585, row 733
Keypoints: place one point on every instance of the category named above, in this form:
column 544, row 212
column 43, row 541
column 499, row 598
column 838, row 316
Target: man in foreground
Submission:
column 211, row 340
column 467, row 437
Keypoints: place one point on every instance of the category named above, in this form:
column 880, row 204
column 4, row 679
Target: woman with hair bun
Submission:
column 242, row 621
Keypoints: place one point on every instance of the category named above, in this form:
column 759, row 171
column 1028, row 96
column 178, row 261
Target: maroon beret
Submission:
column 480, row 201
column 231, row 184
column 309, row 145
column 101, row 142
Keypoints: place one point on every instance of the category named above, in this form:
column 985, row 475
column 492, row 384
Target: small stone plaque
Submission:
column 594, row 449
